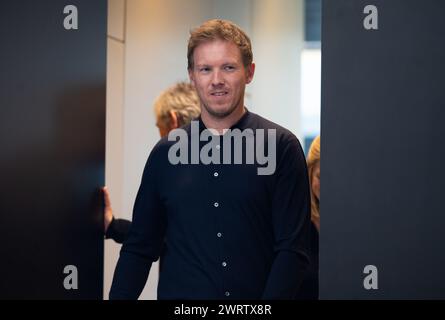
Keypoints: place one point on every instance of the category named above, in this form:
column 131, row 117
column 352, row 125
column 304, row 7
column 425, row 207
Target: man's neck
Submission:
column 219, row 124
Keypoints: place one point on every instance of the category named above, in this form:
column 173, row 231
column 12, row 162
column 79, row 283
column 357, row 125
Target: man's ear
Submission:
column 174, row 120
column 191, row 77
column 250, row 72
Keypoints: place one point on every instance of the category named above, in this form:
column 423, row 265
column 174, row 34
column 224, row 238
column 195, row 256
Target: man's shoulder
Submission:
column 162, row 145
column 283, row 135
column 159, row 153
column 288, row 146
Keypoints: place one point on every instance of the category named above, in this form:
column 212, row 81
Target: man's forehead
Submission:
column 220, row 50
column 216, row 43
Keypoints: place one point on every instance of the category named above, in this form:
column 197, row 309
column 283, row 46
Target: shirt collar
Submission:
column 241, row 124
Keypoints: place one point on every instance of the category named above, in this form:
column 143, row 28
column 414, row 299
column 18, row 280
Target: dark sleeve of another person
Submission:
column 118, row 230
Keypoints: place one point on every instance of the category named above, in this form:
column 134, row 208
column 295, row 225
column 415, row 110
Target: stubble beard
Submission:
column 221, row 114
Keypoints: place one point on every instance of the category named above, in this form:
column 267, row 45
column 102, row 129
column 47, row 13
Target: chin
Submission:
column 221, row 112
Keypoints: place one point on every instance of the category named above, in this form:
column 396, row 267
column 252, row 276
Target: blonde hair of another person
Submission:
column 313, row 160
column 182, row 99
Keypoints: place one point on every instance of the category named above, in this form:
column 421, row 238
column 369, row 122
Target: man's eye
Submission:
column 229, row 68
column 204, row 69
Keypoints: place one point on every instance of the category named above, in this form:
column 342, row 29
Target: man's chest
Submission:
column 216, row 187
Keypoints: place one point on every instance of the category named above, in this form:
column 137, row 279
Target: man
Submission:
column 174, row 108
column 222, row 230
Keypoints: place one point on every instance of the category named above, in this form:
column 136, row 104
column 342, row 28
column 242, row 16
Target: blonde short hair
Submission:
column 180, row 98
column 313, row 159
column 218, row 29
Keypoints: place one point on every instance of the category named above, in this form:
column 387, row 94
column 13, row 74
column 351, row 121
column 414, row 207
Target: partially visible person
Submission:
column 313, row 161
column 174, row 108
column 309, row 286
column 116, row 229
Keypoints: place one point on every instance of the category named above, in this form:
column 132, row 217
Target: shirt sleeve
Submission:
column 145, row 238
column 118, row 230
column 291, row 223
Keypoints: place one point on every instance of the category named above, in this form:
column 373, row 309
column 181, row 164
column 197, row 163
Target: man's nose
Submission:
column 217, row 79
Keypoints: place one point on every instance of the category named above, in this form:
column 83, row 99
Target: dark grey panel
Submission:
column 52, row 142
column 312, row 20
column 383, row 132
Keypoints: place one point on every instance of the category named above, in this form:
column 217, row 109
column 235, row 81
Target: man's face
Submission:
column 220, row 77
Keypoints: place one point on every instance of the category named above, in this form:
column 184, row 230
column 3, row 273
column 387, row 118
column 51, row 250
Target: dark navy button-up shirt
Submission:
column 222, row 231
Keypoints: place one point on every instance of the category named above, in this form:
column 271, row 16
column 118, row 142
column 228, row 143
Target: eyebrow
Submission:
column 199, row 66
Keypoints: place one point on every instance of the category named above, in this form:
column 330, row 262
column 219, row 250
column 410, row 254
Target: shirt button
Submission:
column 215, row 174
column 227, row 293
column 216, row 204
column 219, row 234
column 224, row 264
column 218, row 147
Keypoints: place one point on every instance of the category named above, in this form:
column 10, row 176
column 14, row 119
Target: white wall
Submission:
column 114, row 156
column 147, row 45
column 277, row 39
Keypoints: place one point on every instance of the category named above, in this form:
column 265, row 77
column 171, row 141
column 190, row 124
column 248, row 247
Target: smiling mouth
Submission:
column 219, row 93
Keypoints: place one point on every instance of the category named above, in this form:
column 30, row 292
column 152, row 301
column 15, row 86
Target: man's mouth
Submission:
column 219, row 93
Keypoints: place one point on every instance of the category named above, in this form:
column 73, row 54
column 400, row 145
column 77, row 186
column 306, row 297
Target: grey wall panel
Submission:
column 383, row 133
column 52, row 148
